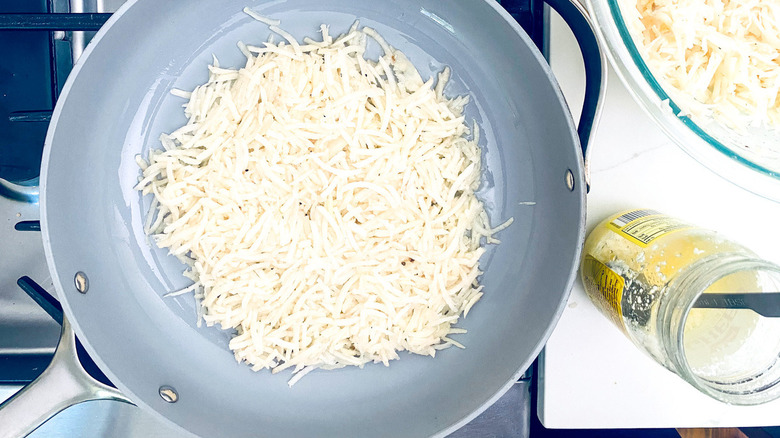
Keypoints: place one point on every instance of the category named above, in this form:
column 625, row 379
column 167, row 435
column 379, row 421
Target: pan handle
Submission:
column 62, row 384
column 575, row 16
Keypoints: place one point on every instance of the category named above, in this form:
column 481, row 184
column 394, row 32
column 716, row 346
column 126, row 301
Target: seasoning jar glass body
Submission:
column 645, row 271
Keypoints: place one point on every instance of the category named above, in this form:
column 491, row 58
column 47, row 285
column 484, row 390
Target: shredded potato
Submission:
column 716, row 58
column 325, row 204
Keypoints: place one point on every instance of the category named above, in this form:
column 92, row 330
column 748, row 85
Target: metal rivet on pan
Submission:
column 169, row 394
column 570, row 180
column 82, row 282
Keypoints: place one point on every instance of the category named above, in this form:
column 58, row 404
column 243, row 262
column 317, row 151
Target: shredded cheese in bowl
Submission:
column 718, row 59
column 325, row 204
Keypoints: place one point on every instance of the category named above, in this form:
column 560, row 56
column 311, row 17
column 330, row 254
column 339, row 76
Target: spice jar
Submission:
column 645, row 271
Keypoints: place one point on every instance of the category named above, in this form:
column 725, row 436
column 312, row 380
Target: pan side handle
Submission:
column 64, row 383
column 575, row 16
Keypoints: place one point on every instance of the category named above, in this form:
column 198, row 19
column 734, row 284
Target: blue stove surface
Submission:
column 26, row 88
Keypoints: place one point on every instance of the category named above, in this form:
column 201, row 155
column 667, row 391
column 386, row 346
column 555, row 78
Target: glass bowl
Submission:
column 750, row 159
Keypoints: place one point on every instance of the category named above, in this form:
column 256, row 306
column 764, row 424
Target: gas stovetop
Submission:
column 37, row 51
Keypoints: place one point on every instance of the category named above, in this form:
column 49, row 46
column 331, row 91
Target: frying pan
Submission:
column 111, row 279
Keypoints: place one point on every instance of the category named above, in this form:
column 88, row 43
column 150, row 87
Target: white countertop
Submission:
column 591, row 375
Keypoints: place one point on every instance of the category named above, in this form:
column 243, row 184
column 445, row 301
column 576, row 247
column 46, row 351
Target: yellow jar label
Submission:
column 605, row 288
column 644, row 226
